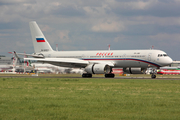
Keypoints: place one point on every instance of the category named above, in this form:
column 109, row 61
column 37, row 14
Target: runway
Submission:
column 159, row 77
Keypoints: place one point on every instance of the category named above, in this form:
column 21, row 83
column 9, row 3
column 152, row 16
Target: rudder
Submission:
column 39, row 41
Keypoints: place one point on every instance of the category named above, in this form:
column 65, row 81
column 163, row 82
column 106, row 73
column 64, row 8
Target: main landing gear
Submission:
column 153, row 74
column 109, row 75
column 86, row 75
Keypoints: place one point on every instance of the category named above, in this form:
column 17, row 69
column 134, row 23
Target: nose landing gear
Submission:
column 153, row 74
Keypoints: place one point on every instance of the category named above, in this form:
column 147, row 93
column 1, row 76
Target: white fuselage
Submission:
column 120, row 58
column 99, row 61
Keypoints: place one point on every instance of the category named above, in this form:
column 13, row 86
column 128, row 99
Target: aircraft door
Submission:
column 124, row 60
column 124, row 57
column 83, row 56
column 149, row 56
column 49, row 55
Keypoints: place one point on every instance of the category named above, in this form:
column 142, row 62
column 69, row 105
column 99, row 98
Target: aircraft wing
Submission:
column 112, row 64
column 68, row 62
column 63, row 62
column 31, row 55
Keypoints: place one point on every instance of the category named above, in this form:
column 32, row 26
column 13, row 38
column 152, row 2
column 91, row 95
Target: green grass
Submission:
column 89, row 99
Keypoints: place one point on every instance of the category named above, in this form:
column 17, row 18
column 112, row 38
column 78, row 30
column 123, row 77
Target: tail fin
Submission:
column 39, row 41
column 15, row 59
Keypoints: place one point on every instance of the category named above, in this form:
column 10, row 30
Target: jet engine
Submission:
column 134, row 70
column 98, row 69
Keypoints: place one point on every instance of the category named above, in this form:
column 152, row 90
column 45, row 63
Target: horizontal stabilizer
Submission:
column 31, row 55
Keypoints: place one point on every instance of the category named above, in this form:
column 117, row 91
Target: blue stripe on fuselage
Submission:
column 132, row 59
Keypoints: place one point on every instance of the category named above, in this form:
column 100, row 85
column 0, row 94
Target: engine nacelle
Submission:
column 98, row 69
column 134, row 70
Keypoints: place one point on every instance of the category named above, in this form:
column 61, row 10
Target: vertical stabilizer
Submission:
column 15, row 59
column 39, row 41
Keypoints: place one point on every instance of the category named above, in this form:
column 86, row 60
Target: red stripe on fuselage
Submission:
column 129, row 60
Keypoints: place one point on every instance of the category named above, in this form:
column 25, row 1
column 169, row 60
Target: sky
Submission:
column 92, row 24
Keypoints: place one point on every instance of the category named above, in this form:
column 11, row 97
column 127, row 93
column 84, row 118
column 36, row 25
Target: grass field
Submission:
column 89, row 99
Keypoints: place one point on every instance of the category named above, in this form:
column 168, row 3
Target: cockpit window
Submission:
column 162, row 55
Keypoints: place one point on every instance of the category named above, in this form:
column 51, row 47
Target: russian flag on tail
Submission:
column 40, row 40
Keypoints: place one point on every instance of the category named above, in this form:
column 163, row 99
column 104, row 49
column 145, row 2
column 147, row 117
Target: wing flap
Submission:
column 69, row 62
column 64, row 62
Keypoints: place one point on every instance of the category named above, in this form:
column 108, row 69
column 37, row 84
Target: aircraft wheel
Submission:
column 153, row 76
column 109, row 75
column 86, row 75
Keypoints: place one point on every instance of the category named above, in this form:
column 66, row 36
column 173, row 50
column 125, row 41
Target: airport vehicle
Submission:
column 169, row 71
column 97, row 61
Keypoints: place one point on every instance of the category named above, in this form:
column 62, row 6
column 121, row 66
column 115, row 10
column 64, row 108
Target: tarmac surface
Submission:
column 159, row 77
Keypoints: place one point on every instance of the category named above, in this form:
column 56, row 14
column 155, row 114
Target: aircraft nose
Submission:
column 166, row 61
column 169, row 61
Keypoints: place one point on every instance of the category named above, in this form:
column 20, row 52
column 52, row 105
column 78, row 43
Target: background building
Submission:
column 5, row 60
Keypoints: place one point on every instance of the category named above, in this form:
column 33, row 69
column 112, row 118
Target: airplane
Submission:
column 97, row 61
column 11, row 67
column 6, row 67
